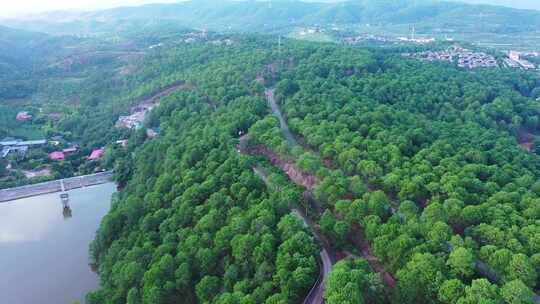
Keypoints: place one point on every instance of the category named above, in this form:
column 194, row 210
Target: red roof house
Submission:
column 23, row 116
column 96, row 154
column 57, row 155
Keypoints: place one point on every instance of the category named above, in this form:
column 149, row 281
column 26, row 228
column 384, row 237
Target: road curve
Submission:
column 316, row 294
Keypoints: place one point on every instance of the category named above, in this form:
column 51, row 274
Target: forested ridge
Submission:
column 416, row 162
column 194, row 224
column 260, row 16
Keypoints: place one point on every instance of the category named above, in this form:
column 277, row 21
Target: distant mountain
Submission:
column 21, row 50
column 523, row 4
column 16, row 46
column 17, row 43
column 279, row 14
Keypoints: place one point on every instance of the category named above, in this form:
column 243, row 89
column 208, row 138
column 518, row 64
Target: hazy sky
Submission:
column 18, row 7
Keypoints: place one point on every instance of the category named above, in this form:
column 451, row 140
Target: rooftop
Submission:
column 57, row 155
column 96, row 154
column 70, row 150
column 23, row 116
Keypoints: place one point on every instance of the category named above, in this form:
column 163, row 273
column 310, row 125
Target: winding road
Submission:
column 270, row 97
column 316, row 294
column 327, row 256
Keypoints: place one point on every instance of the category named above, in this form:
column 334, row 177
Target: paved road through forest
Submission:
column 316, row 294
column 275, row 108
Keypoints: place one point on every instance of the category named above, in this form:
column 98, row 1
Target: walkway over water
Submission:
column 67, row 184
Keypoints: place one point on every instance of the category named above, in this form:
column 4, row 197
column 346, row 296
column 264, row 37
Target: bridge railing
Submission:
column 15, row 193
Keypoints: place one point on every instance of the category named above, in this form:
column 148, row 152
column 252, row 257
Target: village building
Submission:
column 133, row 121
column 22, row 116
column 123, row 142
column 11, row 145
column 70, row 150
column 21, row 151
column 57, row 155
column 19, row 142
column 515, row 60
column 96, row 154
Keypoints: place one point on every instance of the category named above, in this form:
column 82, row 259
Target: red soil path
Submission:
column 310, row 182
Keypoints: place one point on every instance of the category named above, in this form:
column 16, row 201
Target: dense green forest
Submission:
column 425, row 159
column 194, row 223
column 420, row 161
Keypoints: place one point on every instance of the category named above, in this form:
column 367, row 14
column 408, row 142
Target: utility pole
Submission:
column 279, row 45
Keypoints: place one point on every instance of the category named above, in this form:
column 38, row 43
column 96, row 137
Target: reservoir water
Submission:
column 44, row 250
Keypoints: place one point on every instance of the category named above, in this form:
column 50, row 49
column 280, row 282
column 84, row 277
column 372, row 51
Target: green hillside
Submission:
column 418, row 183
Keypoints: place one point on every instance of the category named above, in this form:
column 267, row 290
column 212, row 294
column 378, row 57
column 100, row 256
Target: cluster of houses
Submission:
column 25, row 115
column 133, row 121
column 472, row 60
column 60, row 155
column 136, row 119
column 310, row 31
column 197, row 36
column 468, row 59
column 413, row 39
column 365, row 38
column 10, row 146
column 515, row 60
column 463, row 57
